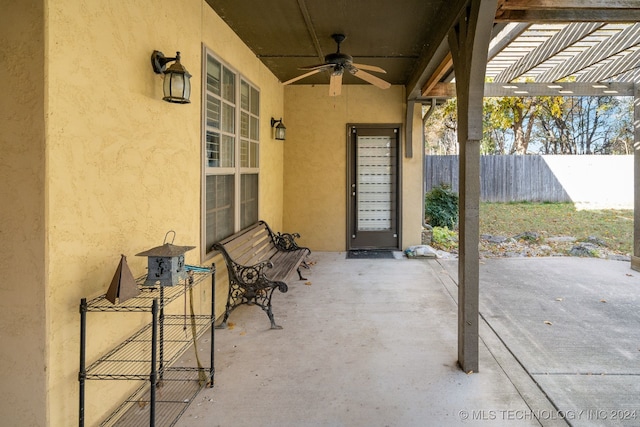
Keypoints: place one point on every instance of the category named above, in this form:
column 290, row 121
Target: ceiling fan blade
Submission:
column 369, row 68
column 335, row 85
column 302, row 76
column 316, row 67
column 370, row 78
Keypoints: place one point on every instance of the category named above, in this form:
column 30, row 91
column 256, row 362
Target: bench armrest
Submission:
column 284, row 241
column 249, row 276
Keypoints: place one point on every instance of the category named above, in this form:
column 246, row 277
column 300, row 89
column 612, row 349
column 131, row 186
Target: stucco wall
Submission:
column 122, row 168
column 316, row 160
column 23, row 328
column 96, row 165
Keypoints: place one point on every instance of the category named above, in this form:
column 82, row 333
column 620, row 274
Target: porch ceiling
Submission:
column 407, row 38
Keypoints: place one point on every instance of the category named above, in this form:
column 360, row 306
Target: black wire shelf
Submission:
column 144, row 301
column 131, row 359
column 155, row 354
column 177, row 390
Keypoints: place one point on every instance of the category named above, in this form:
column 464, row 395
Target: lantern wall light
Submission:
column 177, row 86
column 280, row 129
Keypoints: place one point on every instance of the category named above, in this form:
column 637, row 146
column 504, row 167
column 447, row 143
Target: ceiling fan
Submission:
column 337, row 63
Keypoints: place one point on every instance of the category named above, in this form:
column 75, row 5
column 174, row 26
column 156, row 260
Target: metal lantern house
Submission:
column 166, row 264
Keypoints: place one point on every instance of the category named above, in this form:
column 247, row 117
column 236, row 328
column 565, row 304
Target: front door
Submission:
column 373, row 187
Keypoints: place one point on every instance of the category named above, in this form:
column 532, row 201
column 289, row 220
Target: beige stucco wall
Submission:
column 122, row 168
column 96, row 165
column 316, row 160
column 23, row 327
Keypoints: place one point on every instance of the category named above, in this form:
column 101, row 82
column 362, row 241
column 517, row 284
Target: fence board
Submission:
column 511, row 178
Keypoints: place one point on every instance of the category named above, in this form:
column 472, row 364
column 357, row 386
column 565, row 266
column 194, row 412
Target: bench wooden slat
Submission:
column 251, row 247
column 285, row 263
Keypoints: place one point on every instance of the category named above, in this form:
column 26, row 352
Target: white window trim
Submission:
column 236, row 171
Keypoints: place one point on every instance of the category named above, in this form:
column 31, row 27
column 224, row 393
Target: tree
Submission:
column 516, row 114
column 580, row 125
column 441, row 130
column 554, row 133
column 619, row 138
column 543, row 124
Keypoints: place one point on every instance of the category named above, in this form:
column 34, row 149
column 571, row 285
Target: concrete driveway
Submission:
column 574, row 325
column 374, row 343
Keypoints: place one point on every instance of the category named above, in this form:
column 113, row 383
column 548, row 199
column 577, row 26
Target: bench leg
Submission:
column 265, row 302
column 271, row 318
column 233, row 290
column 223, row 324
column 305, row 265
column 251, row 296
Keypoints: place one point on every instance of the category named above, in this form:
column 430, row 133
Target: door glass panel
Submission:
column 374, row 183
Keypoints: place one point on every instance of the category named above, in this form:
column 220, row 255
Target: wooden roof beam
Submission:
column 569, row 15
column 568, row 11
column 567, row 4
column 442, row 70
column 449, row 13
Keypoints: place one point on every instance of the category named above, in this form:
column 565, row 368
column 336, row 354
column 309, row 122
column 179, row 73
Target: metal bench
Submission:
column 259, row 262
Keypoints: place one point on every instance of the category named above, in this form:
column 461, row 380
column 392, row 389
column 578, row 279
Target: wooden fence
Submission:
column 590, row 180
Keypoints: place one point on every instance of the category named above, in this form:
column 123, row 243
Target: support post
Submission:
column 153, row 376
column 469, row 43
column 82, row 373
column 212, row 368
column 635, row 259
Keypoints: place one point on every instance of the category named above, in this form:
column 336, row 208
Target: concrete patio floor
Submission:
column 374, row 343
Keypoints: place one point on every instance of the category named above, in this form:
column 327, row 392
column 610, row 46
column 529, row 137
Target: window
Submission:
column 231, row 134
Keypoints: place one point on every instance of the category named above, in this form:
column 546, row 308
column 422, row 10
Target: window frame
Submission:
column 237, row 170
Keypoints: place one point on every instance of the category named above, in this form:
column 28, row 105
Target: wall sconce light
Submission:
column 177, row 86
column 280, row 130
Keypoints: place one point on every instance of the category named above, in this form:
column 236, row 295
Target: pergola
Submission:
column 532, row 47
column 558, row 59
column 534, row 52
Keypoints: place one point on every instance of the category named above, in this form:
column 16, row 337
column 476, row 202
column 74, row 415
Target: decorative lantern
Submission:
column 280, row 131
column 177, row 86
column 166, row 263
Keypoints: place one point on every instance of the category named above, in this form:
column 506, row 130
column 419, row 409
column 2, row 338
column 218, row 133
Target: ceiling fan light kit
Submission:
column 337, row 63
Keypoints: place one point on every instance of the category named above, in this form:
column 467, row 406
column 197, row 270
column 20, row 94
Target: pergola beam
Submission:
column 613, row 68
column 607, row 48
column 630, row 76
column 448, row 90
column 505, row 37
column 568, row 11
column 558, row 42
column 567, row 4
column 569, row 15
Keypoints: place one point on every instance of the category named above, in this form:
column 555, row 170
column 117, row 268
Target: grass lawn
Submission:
column 615, row 227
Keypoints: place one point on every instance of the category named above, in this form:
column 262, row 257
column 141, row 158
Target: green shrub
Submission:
column 444, row 239
column 441, row 207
